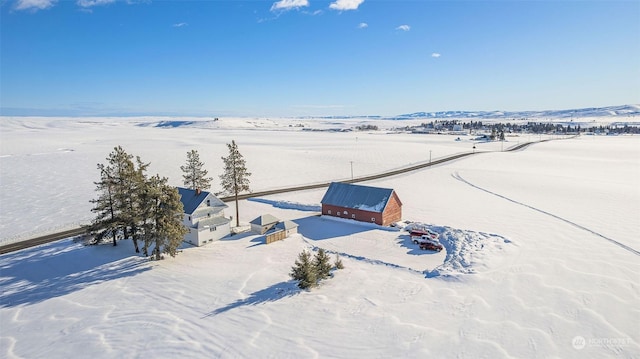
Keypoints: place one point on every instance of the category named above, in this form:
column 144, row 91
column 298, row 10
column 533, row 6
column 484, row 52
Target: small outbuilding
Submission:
column 263, row 223
column 362, row 203
column 289, row 227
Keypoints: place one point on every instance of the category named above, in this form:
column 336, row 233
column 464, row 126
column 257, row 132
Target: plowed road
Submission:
column 78, row 231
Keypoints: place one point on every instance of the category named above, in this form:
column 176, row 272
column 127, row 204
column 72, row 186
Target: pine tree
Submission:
column 195, row 177
column 235, row 178
column 338, row 263
column 116, row 203
column 162, row 218
column 304, row 272
column 106, row 221
column 321, row 264
column 129, row 180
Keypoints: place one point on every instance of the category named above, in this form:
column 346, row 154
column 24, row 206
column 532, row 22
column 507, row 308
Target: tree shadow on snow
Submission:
column 318, row 228
column 270, row 294
column 36, row 274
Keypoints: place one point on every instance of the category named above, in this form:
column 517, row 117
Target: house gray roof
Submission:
column 191, row 199
column 264, row 220
column 372, row 199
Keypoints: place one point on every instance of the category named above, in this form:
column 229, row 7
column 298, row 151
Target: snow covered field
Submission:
column 540, row 252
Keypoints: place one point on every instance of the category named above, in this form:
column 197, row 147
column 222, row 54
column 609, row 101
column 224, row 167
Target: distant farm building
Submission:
column 203, row 216
column 362, row 203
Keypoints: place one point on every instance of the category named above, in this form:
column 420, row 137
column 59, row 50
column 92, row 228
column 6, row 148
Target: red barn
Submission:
column 362, row 203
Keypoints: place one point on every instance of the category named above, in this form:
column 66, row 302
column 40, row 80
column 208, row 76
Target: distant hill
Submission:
column 611, row 111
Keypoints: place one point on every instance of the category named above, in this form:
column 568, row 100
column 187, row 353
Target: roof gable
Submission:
column 372, row 199
column 286, row 225
column 192, row 199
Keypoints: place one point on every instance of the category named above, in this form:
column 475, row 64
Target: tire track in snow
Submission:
column 457, row 176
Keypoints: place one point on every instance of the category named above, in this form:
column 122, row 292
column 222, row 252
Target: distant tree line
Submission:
column 528, row 127
column 367, row 128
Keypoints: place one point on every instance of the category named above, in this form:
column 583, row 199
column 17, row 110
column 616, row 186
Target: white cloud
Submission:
column 345, row 4
column 289, row 4
column 313, row 13
column 180, row 24
column 92, row 3
column 34, row 5
column 435, row 55
column 363, row 25
column 403, row 27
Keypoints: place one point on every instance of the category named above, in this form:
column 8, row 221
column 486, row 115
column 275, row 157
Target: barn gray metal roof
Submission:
column 373, row 199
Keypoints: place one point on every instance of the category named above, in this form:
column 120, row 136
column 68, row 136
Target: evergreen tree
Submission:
column 106, row 221
column 322, row 265
column 129, row 180
column 162, row 217
column 235, row 178
column 116, row 205
column 195, row 177
column 304, row 271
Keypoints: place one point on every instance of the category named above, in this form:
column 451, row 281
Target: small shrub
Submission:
column 304, row 271
column 322, row 265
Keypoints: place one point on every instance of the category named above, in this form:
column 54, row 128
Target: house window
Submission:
column 208, row 202
column 208, row 214
column 189, row 217
column 353, row 216
column 211, row 229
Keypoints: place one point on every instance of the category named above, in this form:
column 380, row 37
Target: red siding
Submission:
column 392, row 212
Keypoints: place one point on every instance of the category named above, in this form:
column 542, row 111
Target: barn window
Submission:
column 338, row 213
column 373, row 219
column 329, row 211
column 353, row 216
column 345, row 213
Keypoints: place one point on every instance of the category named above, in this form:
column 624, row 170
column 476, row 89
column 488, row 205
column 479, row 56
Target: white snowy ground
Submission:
column 540, row 252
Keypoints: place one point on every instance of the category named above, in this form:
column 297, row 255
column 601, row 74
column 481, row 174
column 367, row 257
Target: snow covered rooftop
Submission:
column 191, row 199
column 365, row 198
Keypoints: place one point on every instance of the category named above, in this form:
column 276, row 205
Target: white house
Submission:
column 263, row 223
column 203, row 216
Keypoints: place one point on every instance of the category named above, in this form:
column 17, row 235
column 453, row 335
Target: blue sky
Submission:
column 312, row 58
